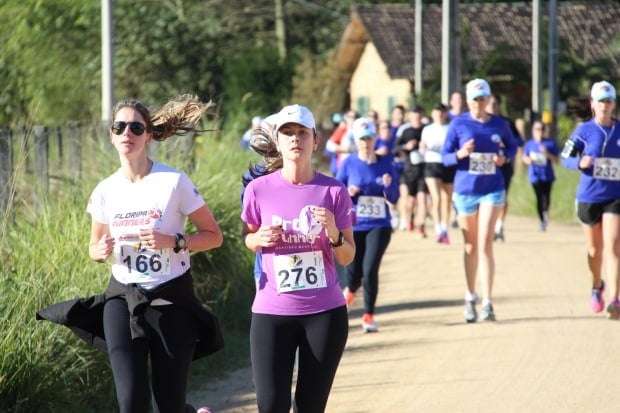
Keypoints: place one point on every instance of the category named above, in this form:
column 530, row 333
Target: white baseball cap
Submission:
column 476, row 88
column 295, row 114
column 363, row 127
column 603, row 90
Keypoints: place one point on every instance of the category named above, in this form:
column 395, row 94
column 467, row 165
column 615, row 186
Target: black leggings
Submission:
column 543, row 197
column 128, row 358
column 369, row 249
column 274, row 339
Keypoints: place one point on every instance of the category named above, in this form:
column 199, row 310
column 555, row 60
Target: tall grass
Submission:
column 43, row 259
column 522, row 200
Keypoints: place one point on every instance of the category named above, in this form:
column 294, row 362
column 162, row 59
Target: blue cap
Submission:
column 603, row 90
column 477, row 88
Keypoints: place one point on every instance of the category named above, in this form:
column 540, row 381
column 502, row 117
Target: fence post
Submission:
column 74, row 144
column 59, row 144
column 41, row 148
column 6, row 168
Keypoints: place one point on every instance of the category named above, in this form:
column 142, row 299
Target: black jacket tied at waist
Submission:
column 84, row 316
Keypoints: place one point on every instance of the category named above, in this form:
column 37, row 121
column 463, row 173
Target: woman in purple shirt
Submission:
column 301, row 222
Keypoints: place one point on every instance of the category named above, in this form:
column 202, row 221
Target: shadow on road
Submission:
column 412, row 305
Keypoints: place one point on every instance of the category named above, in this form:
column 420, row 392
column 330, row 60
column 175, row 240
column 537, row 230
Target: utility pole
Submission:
column 536, row 63
column 107, row 66
column 553, row 64
column 450, row 49
column 280, row 30
column 417, row 81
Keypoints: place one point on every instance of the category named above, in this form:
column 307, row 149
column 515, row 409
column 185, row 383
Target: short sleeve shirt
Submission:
column 271, row 200
column 161, row 200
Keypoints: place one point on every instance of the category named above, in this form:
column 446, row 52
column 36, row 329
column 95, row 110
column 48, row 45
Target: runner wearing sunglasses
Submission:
column 149, row 310
column 594, row 150
column 478, row 143
column 300, row 221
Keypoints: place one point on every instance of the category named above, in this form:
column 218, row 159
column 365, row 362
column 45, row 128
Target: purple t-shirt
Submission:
column 298, row 275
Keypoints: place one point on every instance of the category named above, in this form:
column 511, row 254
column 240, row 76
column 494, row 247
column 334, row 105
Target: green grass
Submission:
column 44, row 259
column 522, row 200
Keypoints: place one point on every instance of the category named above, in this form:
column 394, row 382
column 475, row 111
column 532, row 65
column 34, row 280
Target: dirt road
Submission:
column 546, row 353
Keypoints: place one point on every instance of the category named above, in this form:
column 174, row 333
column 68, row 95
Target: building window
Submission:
column 391, row 103
column 363, row 105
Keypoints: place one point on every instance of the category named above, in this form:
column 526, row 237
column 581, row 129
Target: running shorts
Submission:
column 592, row 213
column 438, row 170
column 468, row 204
column 413, row 177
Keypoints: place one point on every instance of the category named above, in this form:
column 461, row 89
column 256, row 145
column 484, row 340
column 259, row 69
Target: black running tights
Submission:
column 274, row 340
column 543, row 197
column 369, row 249
column 129, row 358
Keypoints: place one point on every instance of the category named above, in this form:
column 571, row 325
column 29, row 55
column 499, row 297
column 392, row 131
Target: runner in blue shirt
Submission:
column 507, row 168
column 478, row 144
column 540, row 154
column 371, row 181
column 594, row 149
column 457, row 105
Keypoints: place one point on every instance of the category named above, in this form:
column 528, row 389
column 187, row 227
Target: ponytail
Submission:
column 179, row 116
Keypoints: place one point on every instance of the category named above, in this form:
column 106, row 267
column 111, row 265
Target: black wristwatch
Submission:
column 339, row 242
column 180, row 243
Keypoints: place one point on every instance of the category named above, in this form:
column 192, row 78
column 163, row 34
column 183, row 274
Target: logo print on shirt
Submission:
column 496, row 138
column 295, row 260
column 155, row 213
column 303, row 229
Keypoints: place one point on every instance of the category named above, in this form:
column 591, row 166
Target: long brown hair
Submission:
column 263, row 142
column 179, row 116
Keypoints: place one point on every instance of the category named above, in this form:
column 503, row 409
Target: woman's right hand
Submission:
column 353, row 190
column 268, row 236
column 466, row 149
column 101, row 250
column 586, row 162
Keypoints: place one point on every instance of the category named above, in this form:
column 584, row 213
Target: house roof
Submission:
column 587, row 26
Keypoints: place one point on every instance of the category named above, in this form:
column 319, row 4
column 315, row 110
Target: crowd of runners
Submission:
column 318, row 239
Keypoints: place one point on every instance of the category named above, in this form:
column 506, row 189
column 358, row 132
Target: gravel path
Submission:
column 546, row 353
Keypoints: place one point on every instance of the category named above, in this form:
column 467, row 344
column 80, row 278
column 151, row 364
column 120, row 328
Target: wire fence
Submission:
column 37, row 160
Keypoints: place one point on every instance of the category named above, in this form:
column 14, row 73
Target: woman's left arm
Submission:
column 346, row 252
column 553, row 153
column 390, row 186
column 209, row 235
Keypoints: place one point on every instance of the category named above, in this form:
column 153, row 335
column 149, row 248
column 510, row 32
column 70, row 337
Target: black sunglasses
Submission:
column 136, row 128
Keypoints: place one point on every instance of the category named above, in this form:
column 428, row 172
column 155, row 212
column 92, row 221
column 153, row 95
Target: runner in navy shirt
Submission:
column 594, row 149
column 371, row 181
column 478, row 144
column 540, row 154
